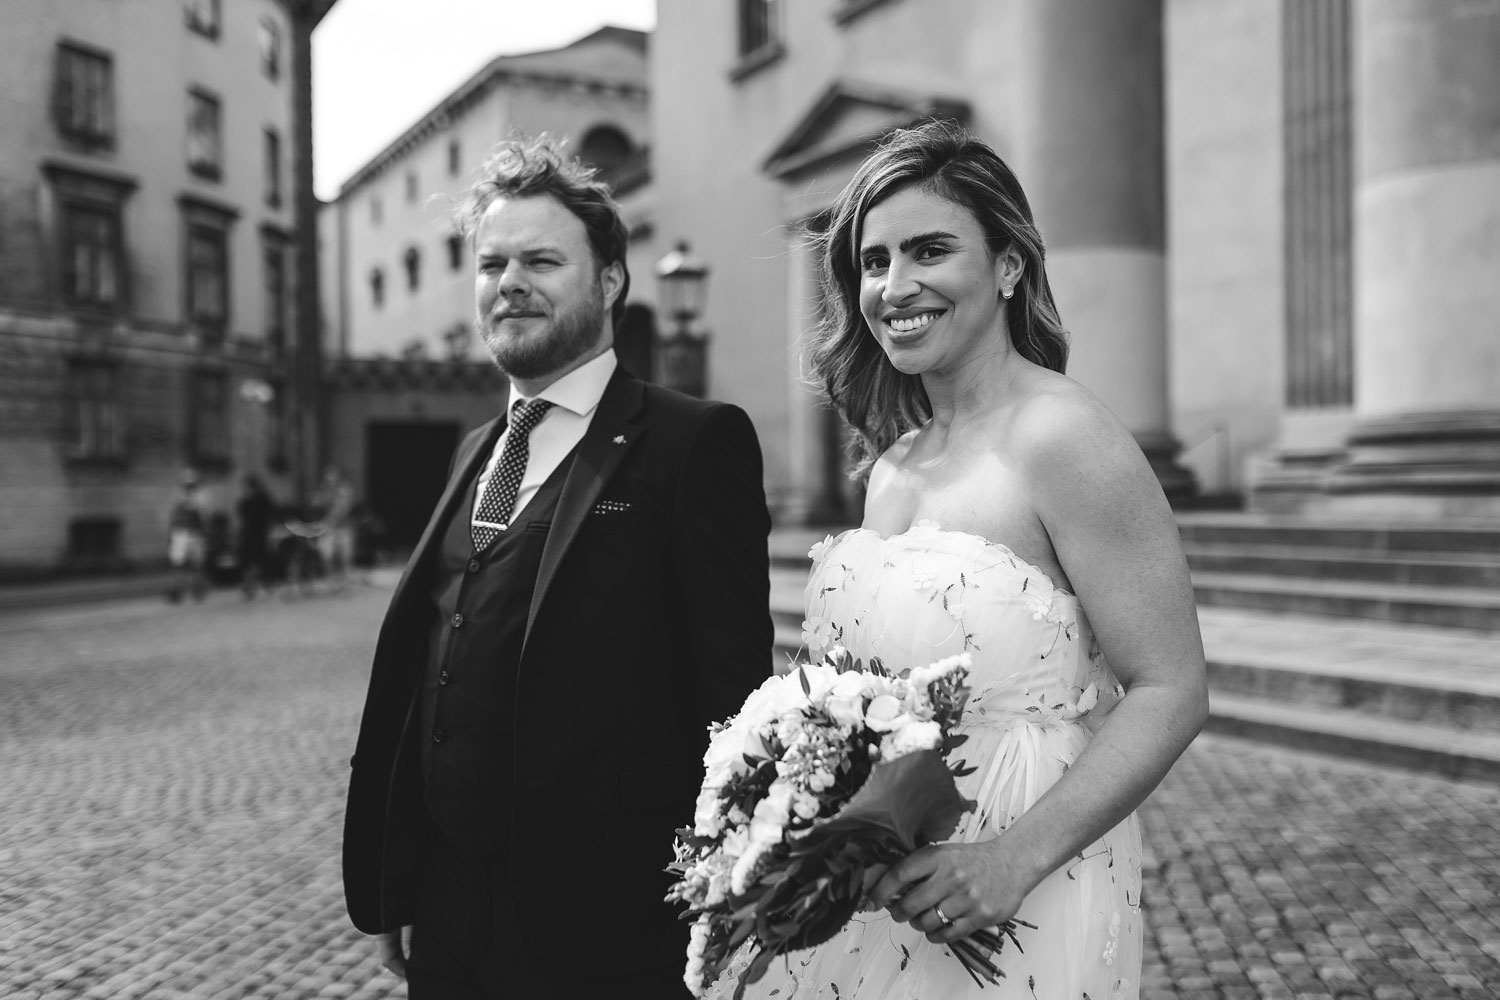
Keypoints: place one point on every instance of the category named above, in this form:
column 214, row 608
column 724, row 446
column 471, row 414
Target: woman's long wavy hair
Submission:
column 880, row 402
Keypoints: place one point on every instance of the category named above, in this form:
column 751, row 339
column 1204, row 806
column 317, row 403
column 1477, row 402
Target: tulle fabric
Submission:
column 1039, row 685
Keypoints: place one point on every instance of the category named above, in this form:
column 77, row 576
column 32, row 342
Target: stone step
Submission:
column 1371, row 537
column 1476, row 608
column 1459, row 704
column 1425, row 569
column 1348, row 733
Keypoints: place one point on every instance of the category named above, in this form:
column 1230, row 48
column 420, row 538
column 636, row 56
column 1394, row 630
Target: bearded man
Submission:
column 590, row 594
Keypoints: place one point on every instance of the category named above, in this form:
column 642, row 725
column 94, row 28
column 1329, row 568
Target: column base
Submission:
column 1421, row 466
column 1177, row 480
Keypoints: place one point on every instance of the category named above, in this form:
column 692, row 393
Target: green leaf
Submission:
column 912, row 797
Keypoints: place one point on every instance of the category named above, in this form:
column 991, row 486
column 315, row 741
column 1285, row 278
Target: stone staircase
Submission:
column 1444, row 576
column 1370, row 642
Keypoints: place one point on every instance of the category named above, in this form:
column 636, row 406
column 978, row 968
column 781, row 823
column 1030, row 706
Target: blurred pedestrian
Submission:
column 254, row 509
column 187, row 520
column 336, row 499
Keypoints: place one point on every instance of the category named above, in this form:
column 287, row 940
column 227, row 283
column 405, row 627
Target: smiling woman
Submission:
column 1009, row 516
column 966, row 191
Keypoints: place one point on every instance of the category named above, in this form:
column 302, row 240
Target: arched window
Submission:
column 413, row 261
column 609, row 151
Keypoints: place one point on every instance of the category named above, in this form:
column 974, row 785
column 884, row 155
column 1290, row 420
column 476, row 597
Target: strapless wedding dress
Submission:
column 1039, row 683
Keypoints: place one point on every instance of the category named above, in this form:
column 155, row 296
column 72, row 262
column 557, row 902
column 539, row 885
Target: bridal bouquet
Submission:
column 828, row 774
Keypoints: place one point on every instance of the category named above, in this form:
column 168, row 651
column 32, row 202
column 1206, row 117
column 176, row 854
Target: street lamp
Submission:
column 682, row 280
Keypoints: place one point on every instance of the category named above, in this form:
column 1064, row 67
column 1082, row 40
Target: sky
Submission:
column 379, row 65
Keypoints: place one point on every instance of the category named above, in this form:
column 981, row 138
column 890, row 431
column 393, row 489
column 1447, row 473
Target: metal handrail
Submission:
column 1216, row 430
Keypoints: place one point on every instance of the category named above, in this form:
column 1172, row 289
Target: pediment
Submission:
column 849, row 118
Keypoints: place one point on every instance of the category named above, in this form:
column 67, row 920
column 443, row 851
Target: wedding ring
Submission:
column 942, row 916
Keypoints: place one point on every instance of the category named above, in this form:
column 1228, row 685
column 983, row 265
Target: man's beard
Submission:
column 572, row 335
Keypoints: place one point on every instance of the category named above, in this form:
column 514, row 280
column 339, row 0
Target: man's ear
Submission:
column 611, row 280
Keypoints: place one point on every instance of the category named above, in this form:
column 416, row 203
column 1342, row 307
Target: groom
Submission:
column 589, row 595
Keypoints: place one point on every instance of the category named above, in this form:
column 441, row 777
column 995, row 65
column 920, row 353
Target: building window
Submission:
column 455, row 252
column 455, row 158
column 269, row 36
column 206, row 241
column 760, row 25
column 272, row 167
column 610, row 152
column 413, row 261
column 377, row 287
column 208, row 279
column 95, row 420
column 375, row 211
column 84, row 103
column 411, row 185
column 91, row 255
column 203, row 17
column 273, row 257
column 204, row 135
column 208, row 418
column 91, row 268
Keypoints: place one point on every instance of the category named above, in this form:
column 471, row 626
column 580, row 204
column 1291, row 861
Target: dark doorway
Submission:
column 406, row 468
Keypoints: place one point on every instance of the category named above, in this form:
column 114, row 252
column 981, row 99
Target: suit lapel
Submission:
column 611, row 434
column 465, row 467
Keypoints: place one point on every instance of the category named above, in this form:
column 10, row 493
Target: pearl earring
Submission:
column 1007, row 291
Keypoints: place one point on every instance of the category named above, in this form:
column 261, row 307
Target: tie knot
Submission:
column 525, row 414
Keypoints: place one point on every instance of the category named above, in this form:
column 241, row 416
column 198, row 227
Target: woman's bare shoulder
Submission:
column 1059, row 429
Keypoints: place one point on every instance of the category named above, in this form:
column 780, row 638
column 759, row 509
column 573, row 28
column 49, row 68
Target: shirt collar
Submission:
column 580, row 390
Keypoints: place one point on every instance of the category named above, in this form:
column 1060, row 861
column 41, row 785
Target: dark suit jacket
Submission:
column 646, row 625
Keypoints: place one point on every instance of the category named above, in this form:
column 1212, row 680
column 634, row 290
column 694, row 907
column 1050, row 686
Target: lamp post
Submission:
column 682, row 280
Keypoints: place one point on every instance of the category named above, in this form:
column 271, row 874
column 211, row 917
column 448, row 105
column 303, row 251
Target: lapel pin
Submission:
column 619, row 439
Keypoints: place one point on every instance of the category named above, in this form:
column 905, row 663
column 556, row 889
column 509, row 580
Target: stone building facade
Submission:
column 406, row 375
column 1269, row 224
column 158, row 282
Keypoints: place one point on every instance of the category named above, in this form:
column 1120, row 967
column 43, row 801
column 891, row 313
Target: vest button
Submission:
column 458, row 621
column 438, row 735
column 473, row 566
column 444, row 678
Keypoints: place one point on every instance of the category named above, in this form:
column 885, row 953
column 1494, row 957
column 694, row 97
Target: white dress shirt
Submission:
column 574, row 398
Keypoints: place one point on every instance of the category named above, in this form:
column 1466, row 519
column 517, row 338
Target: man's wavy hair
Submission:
column 880, row 402
column 524, row 167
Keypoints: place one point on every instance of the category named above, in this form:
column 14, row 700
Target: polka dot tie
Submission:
column 505, row 482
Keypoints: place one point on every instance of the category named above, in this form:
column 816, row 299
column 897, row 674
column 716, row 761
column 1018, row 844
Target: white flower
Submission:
column 845, row 703
column 775, row 696
column 805, row 805
column 956, row 610
column 923, row 676
column 697, row 945
column 816, row 552
column 817, row 635
column 921, row 579
column 771, row 814
column 707, row 820
column 736, row 842
column 885, row 713
column 910, row 738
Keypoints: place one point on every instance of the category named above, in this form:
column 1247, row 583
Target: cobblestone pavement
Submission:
column 171, row 791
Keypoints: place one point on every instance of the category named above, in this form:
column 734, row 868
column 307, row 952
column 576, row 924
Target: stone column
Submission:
column 1426, row 443
column 814, row 461
column 1089, row 152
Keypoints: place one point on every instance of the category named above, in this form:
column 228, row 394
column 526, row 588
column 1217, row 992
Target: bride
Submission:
column 1008, row 514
